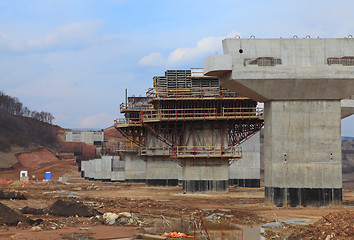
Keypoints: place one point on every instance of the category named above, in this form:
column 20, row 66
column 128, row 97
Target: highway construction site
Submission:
column 188, row 161
column 238, row 214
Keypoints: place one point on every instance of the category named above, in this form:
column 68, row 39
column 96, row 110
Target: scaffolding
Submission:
column 187, row 115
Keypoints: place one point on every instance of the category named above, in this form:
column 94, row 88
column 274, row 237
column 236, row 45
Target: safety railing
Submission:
column 177, row 114
column 121, row 122
column 187, row 93
column 201, row 114
column 124, row 107
column 154, row 151
column 128, row 149
column 242, row 112
column 207, row 151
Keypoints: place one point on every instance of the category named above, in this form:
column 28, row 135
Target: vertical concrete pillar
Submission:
column 118, row 169
column 245, row 172
column 83, row 167
column 106, row 174
column 301, row 82
column 161, row 171
column 180, row 170
column 303, row 152
column 135, row 168
column 90, row 169
column 203, row 175
column 98, row 169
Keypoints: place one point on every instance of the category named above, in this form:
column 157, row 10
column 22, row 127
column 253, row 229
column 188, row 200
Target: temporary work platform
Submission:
column 189, row 119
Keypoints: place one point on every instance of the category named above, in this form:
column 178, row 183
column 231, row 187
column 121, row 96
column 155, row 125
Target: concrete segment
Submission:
column 347, row 108
column 98, row 169
column 303, row 72
column 106, row 168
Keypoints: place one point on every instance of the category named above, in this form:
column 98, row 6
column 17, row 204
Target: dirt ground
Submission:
column 160, row 209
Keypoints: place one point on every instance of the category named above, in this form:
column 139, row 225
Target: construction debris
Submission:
column 11, row 218
column 12, row 195
column 68, row 208
column 338, row 225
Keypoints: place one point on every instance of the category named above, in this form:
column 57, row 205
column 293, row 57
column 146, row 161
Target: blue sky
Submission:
column 74, row 58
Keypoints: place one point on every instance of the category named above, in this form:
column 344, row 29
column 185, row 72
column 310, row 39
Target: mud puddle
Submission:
column 205, row 229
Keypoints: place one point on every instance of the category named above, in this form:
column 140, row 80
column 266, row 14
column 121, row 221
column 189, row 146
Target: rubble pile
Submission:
column 64, row 208
column 12, row 195
column 10, row 217
column 338, row 225
column 123, row 218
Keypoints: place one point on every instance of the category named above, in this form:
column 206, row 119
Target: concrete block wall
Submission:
column 245, row 172
column 90, row 169
column 84, row 136
column 106, row 170
column 83, row 168
column 98, row 169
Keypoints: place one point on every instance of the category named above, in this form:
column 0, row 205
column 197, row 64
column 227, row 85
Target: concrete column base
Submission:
column 162, row 182
column 135, row 180
column 205, row 185
column 161, row 171
column 249, row 183
column 205, row 175
column 135, row 168
column 303, row 196
column 302, row 153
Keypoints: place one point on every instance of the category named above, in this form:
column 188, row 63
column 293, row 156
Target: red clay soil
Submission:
column 36, row 158
column 337, row 225
column 77, row 232
column 112, row 134
column 37, row 163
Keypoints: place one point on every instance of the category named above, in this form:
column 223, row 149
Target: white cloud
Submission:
column 74, row 34
column 183, row 56
column 154, row 59
column 70, row 32
column 204, row 47
column 97, row 120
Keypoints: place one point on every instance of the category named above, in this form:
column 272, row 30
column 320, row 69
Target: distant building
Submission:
column 88, row 137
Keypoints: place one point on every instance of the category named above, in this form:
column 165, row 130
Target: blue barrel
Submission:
column 47, row 176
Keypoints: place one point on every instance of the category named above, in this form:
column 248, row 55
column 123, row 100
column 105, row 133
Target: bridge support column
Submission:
column 303, row 152
column 245, row 172
column 135, row 168
column 205, row 175
column 161, row 171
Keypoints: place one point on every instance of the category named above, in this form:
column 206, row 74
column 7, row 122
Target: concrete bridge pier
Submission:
column 205, row 175
column 161, row 171
column 135, row 168
column 302, row 83
column 245, row 172
column 303, row 164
